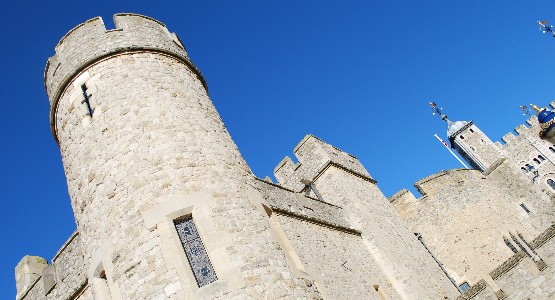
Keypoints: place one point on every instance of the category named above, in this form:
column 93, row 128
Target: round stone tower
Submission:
column 164, row 203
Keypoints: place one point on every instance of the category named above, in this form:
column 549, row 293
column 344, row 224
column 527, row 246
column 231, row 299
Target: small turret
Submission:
column 470, row 142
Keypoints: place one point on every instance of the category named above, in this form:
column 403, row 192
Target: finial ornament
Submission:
column 536, row 108
column 546, row 28
column 436, row 110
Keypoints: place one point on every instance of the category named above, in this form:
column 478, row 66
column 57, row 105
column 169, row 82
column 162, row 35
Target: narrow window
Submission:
column 195, row 251
column 520, row 245
column 551, row 183
column 87, row 99
column 552, row 149
column 525, row 208
column 472, row 131
column 541, row 158
column 536, row 161
column 510, row 245
column 464, row 286
column 462, row 137
column 524, row 170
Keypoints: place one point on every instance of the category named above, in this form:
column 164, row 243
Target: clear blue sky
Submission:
column 357, row 74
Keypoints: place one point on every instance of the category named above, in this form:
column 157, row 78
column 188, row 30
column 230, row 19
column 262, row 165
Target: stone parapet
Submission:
column 285, row 201
column 315, row 156
column 91, row 41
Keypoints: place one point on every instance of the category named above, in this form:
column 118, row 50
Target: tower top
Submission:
column 91, row 42
column 452, row 127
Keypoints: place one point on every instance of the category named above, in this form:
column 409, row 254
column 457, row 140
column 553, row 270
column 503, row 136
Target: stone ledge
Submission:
column 507, row 265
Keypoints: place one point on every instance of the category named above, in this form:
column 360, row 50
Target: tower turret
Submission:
column 470, row 142
column 162, row 198
column 473, row 145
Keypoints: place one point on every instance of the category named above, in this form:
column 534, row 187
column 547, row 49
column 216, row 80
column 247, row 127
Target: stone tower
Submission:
column 473, row 145
column 146, row 153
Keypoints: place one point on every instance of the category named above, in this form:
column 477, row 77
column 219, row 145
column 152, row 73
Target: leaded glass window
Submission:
column 195, row 251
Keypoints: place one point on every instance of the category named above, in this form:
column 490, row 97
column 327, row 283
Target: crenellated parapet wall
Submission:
column 533, row 155
column 90, row 42
column 314, row 156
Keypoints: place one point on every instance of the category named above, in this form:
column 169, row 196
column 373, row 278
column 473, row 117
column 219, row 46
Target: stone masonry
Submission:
column 144, row 149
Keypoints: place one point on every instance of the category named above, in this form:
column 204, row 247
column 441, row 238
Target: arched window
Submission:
column 536, row 161
column 552, row 149
column 541, row 158
column 524, row 170
column 551, row 183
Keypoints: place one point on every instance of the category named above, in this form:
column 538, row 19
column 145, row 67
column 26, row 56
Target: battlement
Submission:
column 532, row 129
column 314, row 156
column 90, row 42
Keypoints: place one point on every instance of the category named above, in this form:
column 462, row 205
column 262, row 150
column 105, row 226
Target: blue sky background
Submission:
column 357, row 74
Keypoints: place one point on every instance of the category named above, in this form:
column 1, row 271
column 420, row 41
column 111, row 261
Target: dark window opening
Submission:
column 525, row 208
column 510, row 245
column 551, row 183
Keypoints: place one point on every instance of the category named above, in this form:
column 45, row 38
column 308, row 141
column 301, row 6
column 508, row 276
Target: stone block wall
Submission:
column 342, row 181
column 520, row 276
column 465, row 215
column 65, row 278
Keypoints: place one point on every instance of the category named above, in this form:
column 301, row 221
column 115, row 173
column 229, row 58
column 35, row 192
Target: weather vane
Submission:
column 526, row 110
column 437, row 110
column 546, row 28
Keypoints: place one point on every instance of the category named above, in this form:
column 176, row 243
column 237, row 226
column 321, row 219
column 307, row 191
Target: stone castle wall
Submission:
column 342, row 181
column 64, row 278
column 520, row 276
column 464, row 227
column 155, row 150
column 526, row 148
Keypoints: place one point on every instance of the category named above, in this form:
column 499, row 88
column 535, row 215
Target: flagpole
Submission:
column 445, row 144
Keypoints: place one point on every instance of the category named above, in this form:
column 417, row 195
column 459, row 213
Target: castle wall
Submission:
column 65, row 278
column 338, row 260
column 526, row 147
column 464, row 215
column 520, row 277
column 155, row 150
column 526, row 281
column 403, row 260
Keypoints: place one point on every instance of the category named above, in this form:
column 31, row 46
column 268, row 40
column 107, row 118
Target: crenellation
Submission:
column 532, row 121
column 90, row 42
column 314, row 156
column 520, row 129
column 508, row 138
column 135, row 169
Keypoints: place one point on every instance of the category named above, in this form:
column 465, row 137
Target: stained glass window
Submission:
column 195, row 251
